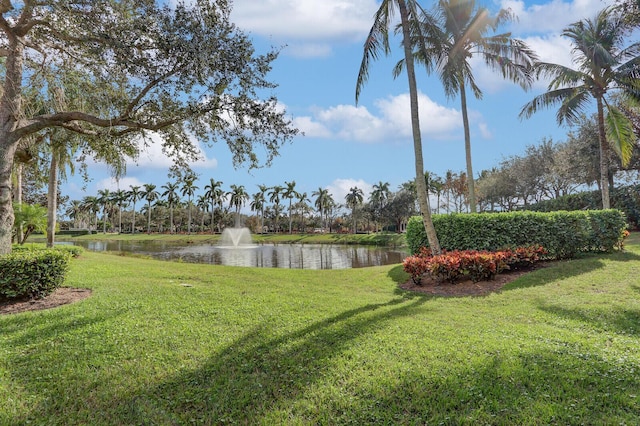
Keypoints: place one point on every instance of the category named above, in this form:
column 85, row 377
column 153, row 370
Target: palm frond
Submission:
column 377, row 40
column 573, row 105
column 620, row 133
column 548, row 99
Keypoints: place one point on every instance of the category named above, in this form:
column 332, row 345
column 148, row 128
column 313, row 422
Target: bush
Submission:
column 32, row 273
column 477, row 265
column 563, row 234
column 623, row 198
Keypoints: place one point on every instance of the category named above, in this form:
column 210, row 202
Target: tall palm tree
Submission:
column 354, row 198
column 91, row 205
column 202, row 202
column 63, row 149
column 104, row 199
column 603, row 67
column 189, row 189
column 458, row 32
column 172, row 198
column 257, row 205
column 150, row 194
column 134, row 195
column 74, row 212
column 263, row 195
column 302, row 207
column 213, row 192
column 290, row 193
column 119, row 198
column 322, row 202
column 274, row 197
column 237, row 198
column 379, row 197
column 378, row 39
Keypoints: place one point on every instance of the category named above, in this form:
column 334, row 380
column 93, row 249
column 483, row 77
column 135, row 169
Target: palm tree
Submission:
column 603, row 66
column 202, row 202
column 189, row 189
column 104, row 199
column 379, row 197
column 257, row 205
column 379, row 39
column 263, row 196
column 460, row 33
column 91, row 205
column 171, row 194
column 63, row 150
column 119, row 198
column 274, row 197
column 238, row 198
column 150, row 194
column 134, row 195
column 354, row 198
column 290, row 193
column 322, row 202
column 302, row 207
column 74, row 212
column 213, row 192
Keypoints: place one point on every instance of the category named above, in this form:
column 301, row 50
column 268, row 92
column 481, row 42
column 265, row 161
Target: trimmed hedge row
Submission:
column 563, row 234
column 32, row 273
column 624, row 198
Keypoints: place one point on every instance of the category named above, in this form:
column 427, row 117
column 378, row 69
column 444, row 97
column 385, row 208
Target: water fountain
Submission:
column 235, row 237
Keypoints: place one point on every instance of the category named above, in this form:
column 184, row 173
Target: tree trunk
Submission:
column 52, row 198
column 604, row 157
column 421, row 185
column 18, row 196
column 467, row 148
column 7, row 152
column 10, row 109
column 133, row 220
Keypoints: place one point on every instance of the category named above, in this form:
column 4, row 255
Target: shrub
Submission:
column 477, row 265
column 32, row 273
column 624, row 198
column 563, row 234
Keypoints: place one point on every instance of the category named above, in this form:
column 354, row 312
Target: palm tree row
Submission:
column 445, row 39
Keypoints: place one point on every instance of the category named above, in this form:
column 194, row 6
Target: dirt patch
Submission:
column 60, row 296
column 467, row 287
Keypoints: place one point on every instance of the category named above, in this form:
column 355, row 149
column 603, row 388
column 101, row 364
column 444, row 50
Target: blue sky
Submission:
column 347, row 145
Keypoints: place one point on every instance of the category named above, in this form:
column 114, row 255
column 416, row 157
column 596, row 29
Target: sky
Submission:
column 347, row 145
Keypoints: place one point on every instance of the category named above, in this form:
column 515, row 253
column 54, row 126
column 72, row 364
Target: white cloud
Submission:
column 308, row 20
column 391, row 121
column 113, row 184
column 553, row 16
column 308, row 27
column 339, row 188
column 484, row 131
column 151, row 156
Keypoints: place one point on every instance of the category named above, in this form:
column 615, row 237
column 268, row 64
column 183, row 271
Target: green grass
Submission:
column 172, row 343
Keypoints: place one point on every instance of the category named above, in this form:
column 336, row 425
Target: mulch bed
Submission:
column 60, row 296
column 467, row 287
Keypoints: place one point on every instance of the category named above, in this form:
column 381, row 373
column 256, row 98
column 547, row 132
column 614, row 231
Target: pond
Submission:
column 292, row 256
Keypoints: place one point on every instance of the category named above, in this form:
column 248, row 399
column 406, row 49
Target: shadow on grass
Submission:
column 563, row 269
column 608, row 318
column 553, row 385
column 259, row 372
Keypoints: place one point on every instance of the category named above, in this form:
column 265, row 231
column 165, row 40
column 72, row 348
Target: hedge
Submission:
column 623, row 198
column 562, row 233
column 32, row 273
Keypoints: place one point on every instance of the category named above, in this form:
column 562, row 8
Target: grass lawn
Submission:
column 173, row 343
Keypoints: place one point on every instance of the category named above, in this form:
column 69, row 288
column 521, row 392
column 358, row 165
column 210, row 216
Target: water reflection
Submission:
column 293, row 256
